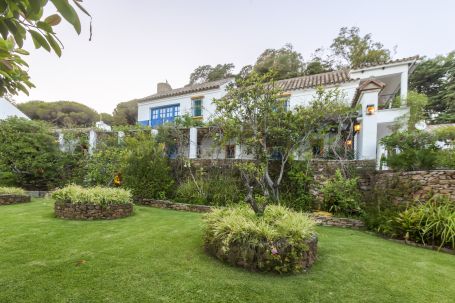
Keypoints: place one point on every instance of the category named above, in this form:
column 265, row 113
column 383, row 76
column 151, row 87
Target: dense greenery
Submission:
column 49, row 260
column 276, row 241
column 431, row 222
column 341, row 195
column 146, row 171
column 93, row 195
column 30, row 156
column 61, row 113
column 22, row 19
column 285, row 62
column 11, row 191
column 435, row 77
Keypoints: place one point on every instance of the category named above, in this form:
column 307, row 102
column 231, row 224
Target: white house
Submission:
column 372, row 86
column 7, row 109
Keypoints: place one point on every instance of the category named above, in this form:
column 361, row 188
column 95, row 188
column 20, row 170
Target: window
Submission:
column 230, row 151
column 197, row 107
column 164, row 114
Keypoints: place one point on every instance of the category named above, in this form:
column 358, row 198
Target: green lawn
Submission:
column 157, row 256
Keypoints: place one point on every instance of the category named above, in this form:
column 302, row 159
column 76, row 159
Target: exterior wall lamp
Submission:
column 349, row 143
column 370, row 109
column 356, row 127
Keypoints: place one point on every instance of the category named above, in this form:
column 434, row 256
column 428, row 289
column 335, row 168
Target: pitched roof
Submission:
column 335, row 77
column 365, row 65
column 186, row 90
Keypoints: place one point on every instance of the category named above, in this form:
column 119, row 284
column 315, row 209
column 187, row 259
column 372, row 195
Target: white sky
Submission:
column 138, row 43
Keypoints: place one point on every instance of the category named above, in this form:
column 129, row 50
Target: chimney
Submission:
column 162, row 87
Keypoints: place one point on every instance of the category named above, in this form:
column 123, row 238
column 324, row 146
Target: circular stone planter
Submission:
column 258, row 257
column 72, row 211
column 13, row 199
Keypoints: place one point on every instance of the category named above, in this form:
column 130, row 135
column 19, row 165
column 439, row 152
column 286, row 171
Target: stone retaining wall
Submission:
column 91, row 211
column 339, row 222
column 13, row 199
column 175, row 206
column 421, row 183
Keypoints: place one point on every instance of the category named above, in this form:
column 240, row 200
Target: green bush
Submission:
column 411, row 150
column 12, row 191
column 341, row 195
column 30, row 157
column 296, row 185
column 217, row 190
column 446, row 159
column 92, row 195
column 278, row 241
column 147, row 172
column 431, row 222
column 101, row 167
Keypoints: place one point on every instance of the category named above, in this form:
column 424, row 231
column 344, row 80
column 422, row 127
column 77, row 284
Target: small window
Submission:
column 230, row 151
column 197, row 107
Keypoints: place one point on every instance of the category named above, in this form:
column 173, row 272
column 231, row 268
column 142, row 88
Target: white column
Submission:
column 404, row 87
column 120, row 137
column 368, row 126
column 61, row 141
column 238, row 151
column 193, row 143
column 91, row 141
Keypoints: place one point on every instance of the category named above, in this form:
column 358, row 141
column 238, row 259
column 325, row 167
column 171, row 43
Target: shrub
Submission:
column 218, row 190
column 147, row 172
column 446, row 159
column 103, row 165
column 296, row 186
column 411, row 150
column 431, row 222
column 341, row 195
column 30, row 157
column 93, row 195
column 12, row 191
column 279, row 241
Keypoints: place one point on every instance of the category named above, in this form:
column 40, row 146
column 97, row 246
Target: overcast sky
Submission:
column 138, row 43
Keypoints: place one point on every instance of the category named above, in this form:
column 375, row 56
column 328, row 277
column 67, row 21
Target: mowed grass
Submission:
column 157, row 256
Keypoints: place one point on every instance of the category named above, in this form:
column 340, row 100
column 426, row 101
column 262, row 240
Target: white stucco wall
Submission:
column 9, row 110
column 302, row 97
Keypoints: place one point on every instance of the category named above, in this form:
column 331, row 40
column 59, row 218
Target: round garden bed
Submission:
column 66, row 210
column 280, row 241
column 13, row 195
column 13, row 199
column 96, row 203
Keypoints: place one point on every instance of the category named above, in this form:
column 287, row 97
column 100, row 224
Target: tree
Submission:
column 436, row 78
column 353, row 50
column 60, row 113
column 20, row 19
column 125, row 113
column 317, row 64
column 255, row 115
column 285, row 62
column 207, row 73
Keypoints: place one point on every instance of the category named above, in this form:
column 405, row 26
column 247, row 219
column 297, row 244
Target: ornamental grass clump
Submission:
column 12, row 191
column 280, row 240
column 93, row 195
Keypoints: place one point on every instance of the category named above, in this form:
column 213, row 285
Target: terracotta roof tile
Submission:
column 413, row 58
column 329, row 78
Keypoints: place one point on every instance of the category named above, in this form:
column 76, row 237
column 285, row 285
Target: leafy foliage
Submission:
column 341, row 195
column 60, row 113
column 30, row 156
column 12, row 191
column 431, row 222
column 103, row 165
column 284, row 62
column 411, row 150
column 125, row 113
column 276, row 241
column 20, row 19
column 354, row 50
column 147, row 172
column 92, row 195
column 435, row 77
column 207, row 73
